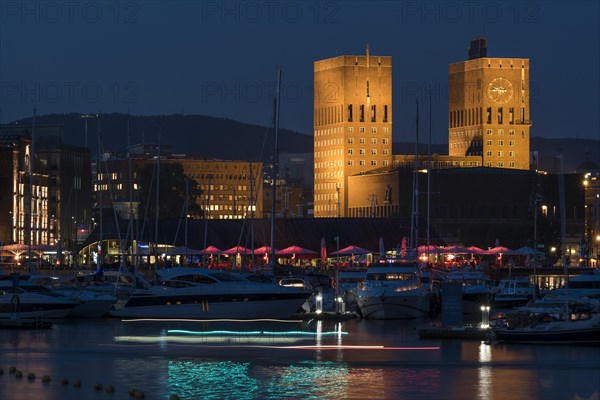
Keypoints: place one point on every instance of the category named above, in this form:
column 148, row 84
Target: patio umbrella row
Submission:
column 288, row 251
column 476, row 250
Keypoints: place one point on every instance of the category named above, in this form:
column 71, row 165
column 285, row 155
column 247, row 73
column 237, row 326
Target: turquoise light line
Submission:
column 266, row 333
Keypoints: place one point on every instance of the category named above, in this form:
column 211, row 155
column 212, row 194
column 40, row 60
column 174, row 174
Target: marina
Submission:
column 309, row 359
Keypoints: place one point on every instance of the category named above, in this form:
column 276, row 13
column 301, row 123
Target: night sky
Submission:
column 220, row 58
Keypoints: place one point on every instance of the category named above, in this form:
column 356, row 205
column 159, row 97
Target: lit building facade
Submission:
column 23, row 197
column 489, row 109
column 352, row 125
column 230, row 189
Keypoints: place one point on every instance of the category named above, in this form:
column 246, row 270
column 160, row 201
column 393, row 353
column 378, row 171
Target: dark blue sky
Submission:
column 220, row 58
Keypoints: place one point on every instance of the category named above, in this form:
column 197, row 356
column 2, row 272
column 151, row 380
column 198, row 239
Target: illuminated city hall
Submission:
column 356, row 174
column 352, row 125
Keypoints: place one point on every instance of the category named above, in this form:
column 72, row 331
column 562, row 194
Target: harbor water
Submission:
column 352, row 359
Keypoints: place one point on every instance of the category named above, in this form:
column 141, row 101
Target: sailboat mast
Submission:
column 31, row 199
column 156, row 213
column 275, row 166
column 100, row 217
column 252, row 214
column 131, row 235
column 429, row 180
column 414, row 240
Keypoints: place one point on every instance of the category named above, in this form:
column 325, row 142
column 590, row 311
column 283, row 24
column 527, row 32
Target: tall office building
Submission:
column 489, row 108
column 352, row 125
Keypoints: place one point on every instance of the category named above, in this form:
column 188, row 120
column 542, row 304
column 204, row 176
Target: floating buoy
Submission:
column 77, row 383
column 64, row 381
column 110, row 389
column 12, row 370
column 174, row 397
column 98, row 386
column 31, row 376
column 46, row 378
column 18, row 374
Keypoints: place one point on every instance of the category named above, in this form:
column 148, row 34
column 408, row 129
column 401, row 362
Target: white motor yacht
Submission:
column 211, row 294
column 393, row 291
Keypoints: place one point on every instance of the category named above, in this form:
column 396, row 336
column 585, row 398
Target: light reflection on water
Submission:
column 458, row 370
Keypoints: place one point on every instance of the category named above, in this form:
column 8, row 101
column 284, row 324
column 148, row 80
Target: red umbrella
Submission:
column 428, row 249
column 476, row 250
column 263, row 250
column 237, row 250
column 350, row 250
column 211, row 250
column 497, row 250
column 297, row 250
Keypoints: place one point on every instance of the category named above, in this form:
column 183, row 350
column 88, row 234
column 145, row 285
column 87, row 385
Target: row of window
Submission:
column 372, row 140
column 373, row 163
column 350, row 129
column 500, row 154
column 361, row 113
column 385, row 152
column 473, row 116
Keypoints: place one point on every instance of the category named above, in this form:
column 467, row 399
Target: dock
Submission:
column 326, row 315
column 24, row 324
column 455, row 332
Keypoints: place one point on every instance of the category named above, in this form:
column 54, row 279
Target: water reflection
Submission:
column 484, row 372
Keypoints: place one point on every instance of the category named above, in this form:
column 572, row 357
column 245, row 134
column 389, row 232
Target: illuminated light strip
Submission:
column 209, row 339
column 295, row 321
column 180, row 339
column 267, row 333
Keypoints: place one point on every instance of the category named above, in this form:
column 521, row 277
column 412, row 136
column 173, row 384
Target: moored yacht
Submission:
column 392, row 291
column 211, row 294
column 31, row 301
column 475, row 290
column 513, row 292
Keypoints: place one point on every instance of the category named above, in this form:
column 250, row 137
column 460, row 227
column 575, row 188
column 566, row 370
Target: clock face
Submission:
column 500, row 90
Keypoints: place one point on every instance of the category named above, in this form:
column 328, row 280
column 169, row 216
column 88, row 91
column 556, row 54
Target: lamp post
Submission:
column 597, row 249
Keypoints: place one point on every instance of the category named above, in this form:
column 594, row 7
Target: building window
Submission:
column 500, row 165
column 511, row 143
column 488, row 131
column 385, row 163
column 385, row 152
column 349, row 112
column 511, row 115
column 373, row 162
column 488, row 142
column 361, row 140
column 373, row 151
column 500, row 115
column 350, row 162
column 373, row 130
column 362, row 162
column 373, row 113
column 350, row 151
column 511, row 132
column 386, row 130
column 361, row 129
column 362, row 113
column 385, row 113
column 373, row 140
column 500, row 142
column 500, row 154
column 511, row 153
column 385, row 140
column 489, row 115
column 489, row 153
column 350, row 140
column 361, row 151
column 511, row 164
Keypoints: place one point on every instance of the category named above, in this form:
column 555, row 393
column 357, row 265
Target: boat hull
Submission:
column 210, row 308
column 393, row 307
column 584, row 335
